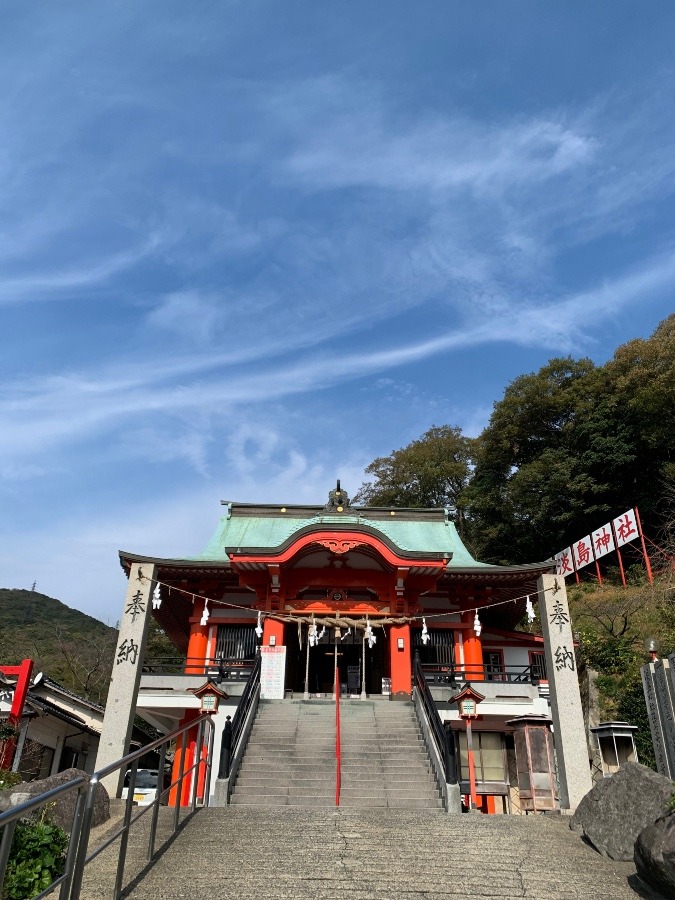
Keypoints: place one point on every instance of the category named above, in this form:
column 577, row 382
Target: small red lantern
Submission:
column 209, row 695
column 468, row 701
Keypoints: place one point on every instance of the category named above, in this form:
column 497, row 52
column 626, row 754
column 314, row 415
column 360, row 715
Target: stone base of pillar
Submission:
column 454, row 800
column 401, row 695
column 219, row 797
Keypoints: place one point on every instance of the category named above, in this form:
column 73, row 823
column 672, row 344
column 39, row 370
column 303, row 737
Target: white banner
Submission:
column 563, row 563
column 272, row 673
column 603, row 540
column 583, row 552
column 625, row 528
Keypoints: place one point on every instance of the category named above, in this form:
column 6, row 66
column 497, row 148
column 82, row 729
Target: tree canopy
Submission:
column 432, row 471
column 566, row 448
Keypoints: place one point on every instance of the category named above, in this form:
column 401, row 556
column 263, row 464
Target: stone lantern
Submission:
column 617, row 745
column 534, row 762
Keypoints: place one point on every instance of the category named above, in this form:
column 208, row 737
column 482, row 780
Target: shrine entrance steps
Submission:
column 290, row 758
column 248, row 853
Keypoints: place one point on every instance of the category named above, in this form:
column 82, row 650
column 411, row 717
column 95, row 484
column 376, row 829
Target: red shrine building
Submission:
column 366, row 591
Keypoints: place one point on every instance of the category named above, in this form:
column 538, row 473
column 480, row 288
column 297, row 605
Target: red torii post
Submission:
column 22, row 673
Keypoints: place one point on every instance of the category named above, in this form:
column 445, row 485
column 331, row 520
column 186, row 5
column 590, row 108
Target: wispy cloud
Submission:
column 80, row 408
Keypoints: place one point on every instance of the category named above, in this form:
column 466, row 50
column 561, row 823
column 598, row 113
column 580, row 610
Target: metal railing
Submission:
column 78, row 855
column 83, row 858
column 442, row 738
column 237, row 731
column 453, row 675
column 219, row 668
column 10, row 819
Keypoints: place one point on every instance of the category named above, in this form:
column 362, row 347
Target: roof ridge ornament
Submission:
column 338, row 499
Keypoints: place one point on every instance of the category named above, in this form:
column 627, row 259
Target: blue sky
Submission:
column 247, row 247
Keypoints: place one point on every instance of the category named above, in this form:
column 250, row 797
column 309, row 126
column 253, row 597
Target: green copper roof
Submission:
column 268, row 531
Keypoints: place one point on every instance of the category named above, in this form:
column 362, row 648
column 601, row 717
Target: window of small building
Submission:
column 489, row 756
column 538, row 665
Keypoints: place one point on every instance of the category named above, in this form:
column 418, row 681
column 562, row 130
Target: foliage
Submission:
column 73, row 648
column 432, row 471
column 37, row 858
column 8, row 779
column 7, row 731
column 612, row 624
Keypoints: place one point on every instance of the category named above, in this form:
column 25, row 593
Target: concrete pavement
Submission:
column 242, row 853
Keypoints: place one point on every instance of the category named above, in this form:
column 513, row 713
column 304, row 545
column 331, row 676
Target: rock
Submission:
column 616, row 809
column 63, row 809
column 655, row 855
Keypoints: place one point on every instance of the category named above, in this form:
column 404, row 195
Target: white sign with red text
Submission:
column 563, row 563
column 583, row 552
column 272, row 673
column 603, row 540
column 625, row 528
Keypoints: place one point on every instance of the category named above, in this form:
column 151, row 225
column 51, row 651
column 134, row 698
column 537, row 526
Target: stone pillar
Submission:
column 569, row 733
column 120, row 708
column 401, row 662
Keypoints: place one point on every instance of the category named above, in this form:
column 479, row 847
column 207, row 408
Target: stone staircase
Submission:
column 290, row 758
column 246, row 853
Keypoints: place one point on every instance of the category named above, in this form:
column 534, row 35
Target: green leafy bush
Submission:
column 9, row 779
column 36, row 859
column 8, row 732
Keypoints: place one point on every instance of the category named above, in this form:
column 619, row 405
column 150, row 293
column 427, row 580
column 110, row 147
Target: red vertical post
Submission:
column 23, row 673
column 623, row 574
column 473, row 650
column 338, row 748
column 401, row 662
column 472, row 768
column 597, row 572
column 644, row 547
column 195, row 662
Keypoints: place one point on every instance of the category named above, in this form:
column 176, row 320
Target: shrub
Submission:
column 9, row 779
column 37, row 858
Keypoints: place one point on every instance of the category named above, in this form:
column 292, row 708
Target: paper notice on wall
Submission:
column 272, row 673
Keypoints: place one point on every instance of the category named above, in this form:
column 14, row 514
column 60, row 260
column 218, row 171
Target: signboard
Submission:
column 583, row 552
column 603, row 540
column 606, row 539
column 272, row 673
column 563, row 563
column 625, row 528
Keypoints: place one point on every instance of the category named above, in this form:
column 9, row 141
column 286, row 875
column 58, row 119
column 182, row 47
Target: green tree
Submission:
column 528, row 486
column 432, row 471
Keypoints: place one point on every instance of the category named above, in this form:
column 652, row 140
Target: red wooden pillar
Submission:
column 473, row 650
column 273, row 629
column 23, row 672
column 400, row 659
column 195, row 664
column 198, row 642
column 190, row 738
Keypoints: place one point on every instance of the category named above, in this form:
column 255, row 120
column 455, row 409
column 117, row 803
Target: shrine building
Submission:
column 378, row 595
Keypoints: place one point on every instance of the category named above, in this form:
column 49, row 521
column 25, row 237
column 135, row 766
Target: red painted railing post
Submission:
column 338, row 756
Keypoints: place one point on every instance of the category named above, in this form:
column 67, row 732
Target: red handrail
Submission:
column 338, row 755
